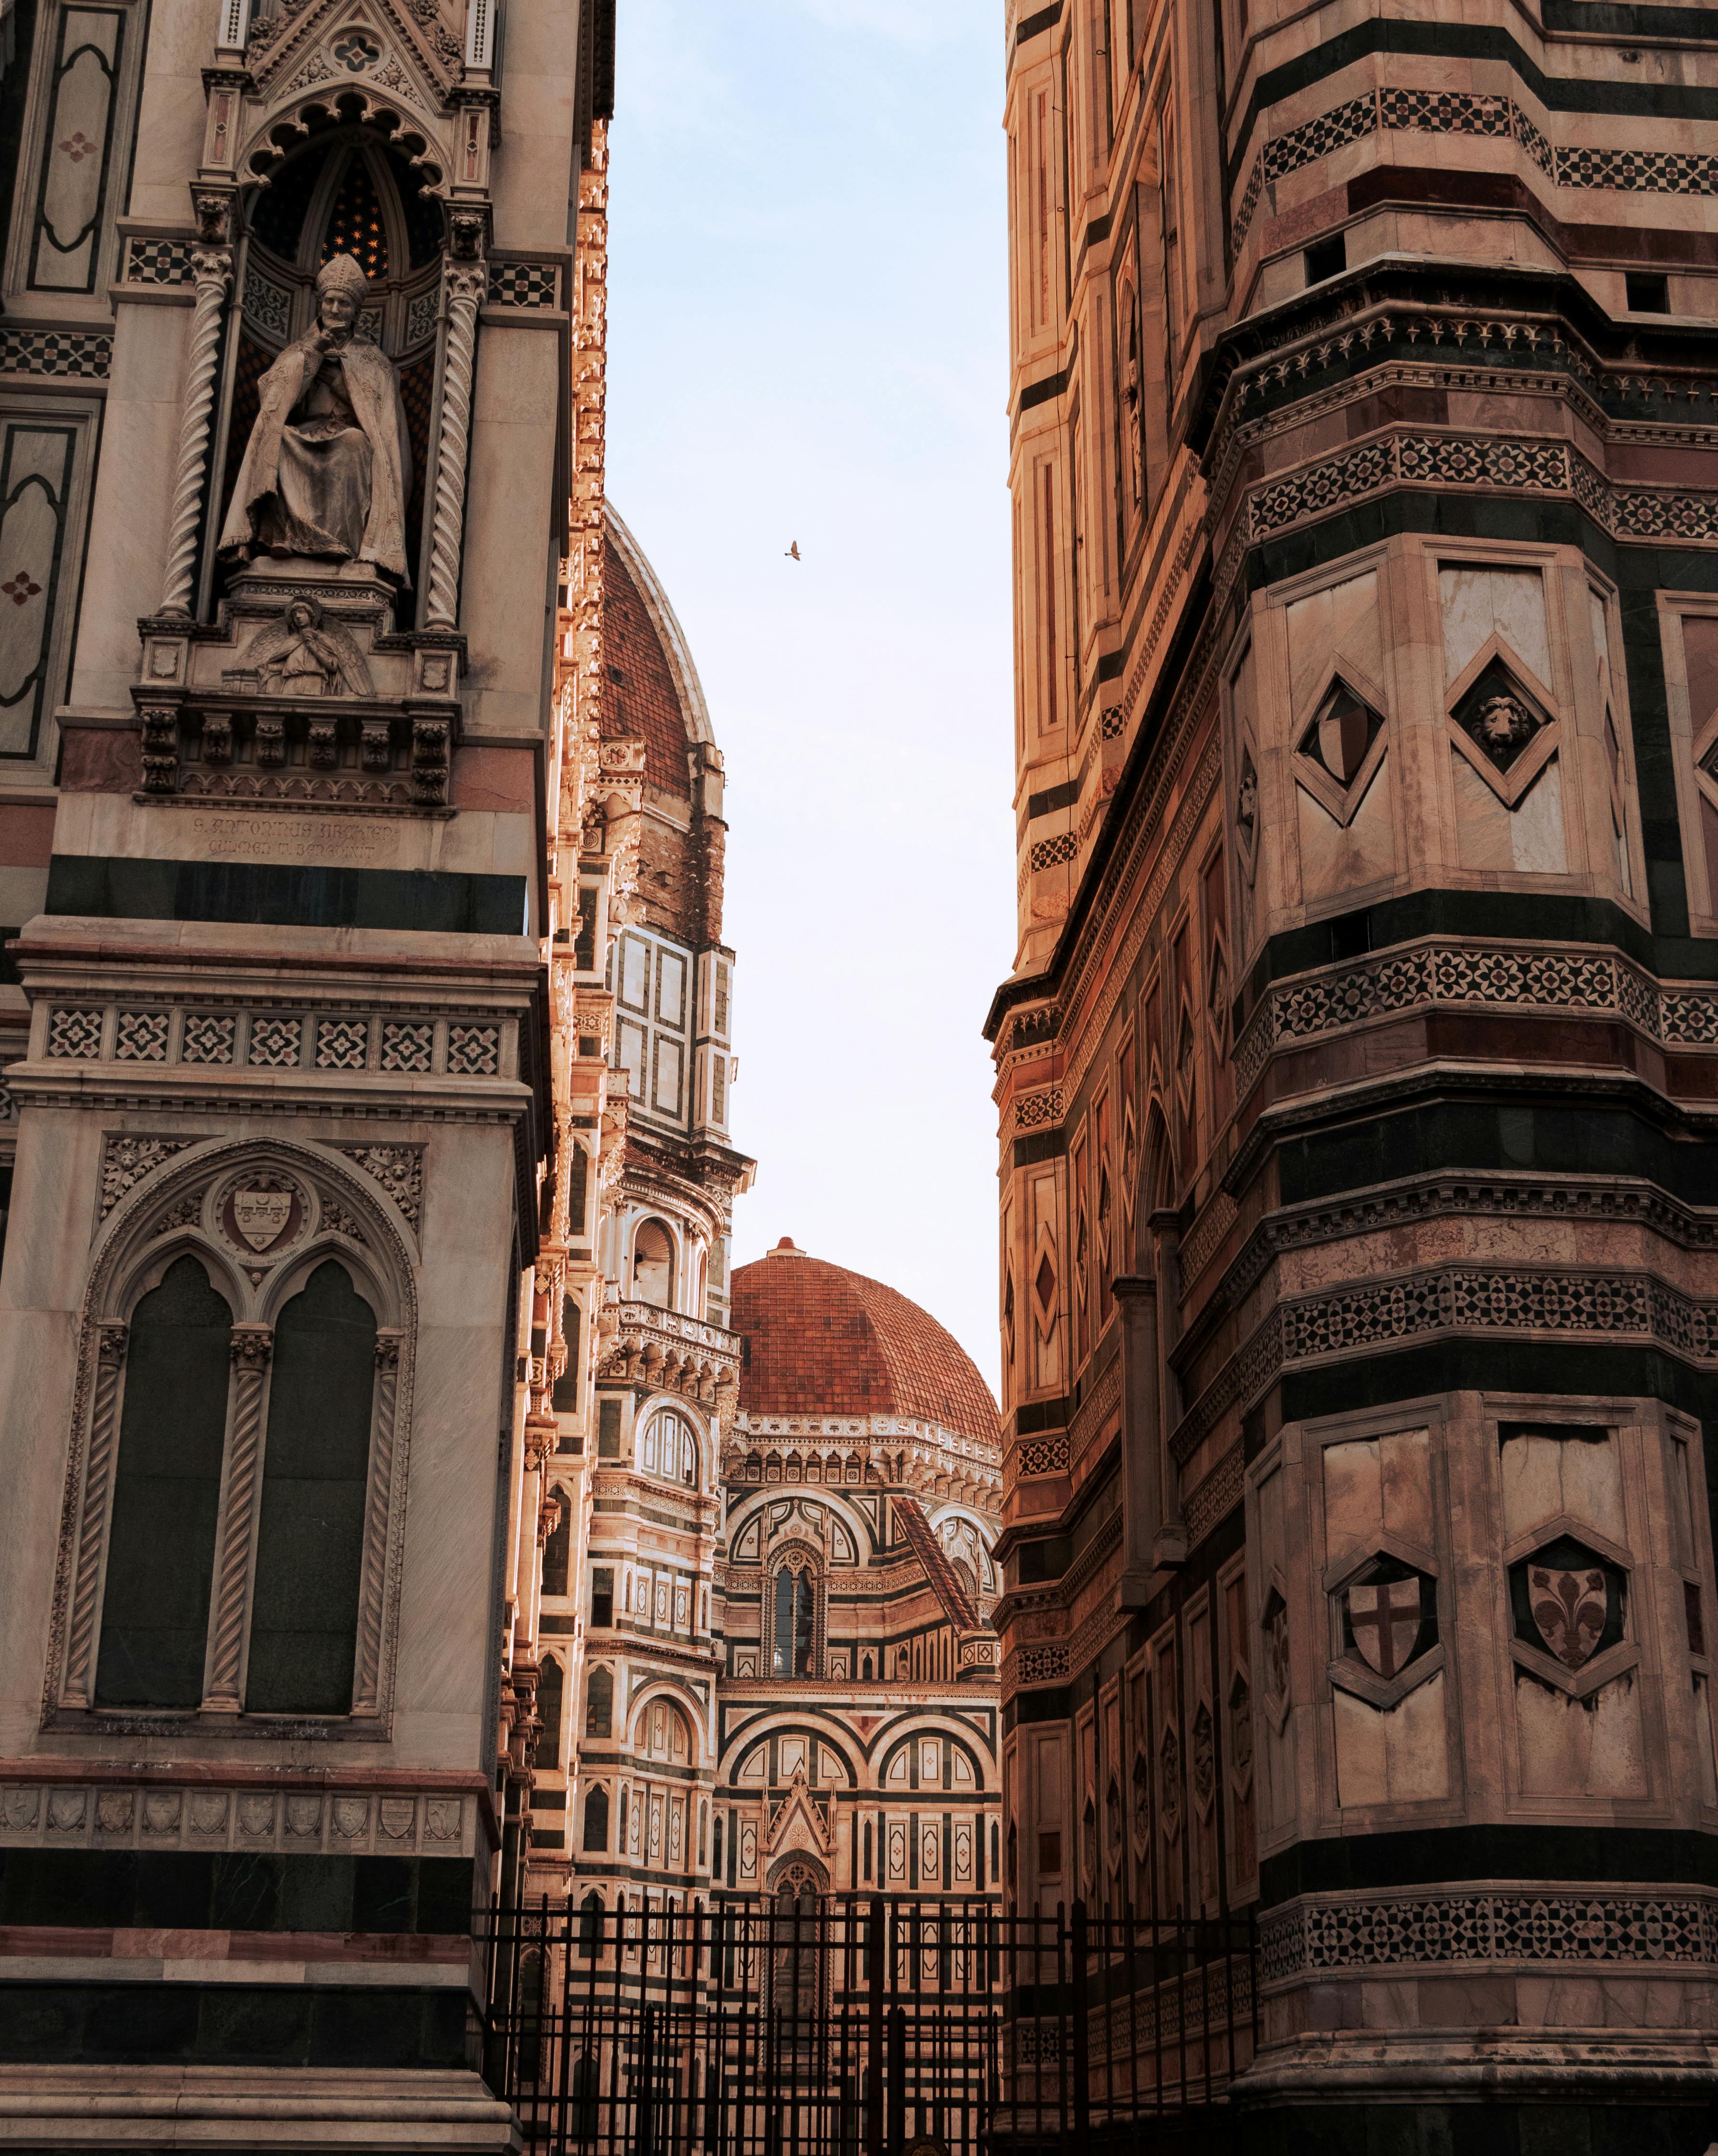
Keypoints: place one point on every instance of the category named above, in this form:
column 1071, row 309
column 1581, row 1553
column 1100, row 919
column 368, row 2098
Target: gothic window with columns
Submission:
column 551, row 1687
column 599, row 1702
column 239, row 1430
column 794, row 1629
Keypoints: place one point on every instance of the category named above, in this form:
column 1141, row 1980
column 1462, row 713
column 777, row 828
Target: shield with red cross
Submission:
column 1385, row 1618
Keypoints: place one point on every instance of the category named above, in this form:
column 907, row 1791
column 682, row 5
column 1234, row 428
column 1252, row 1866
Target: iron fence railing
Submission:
column 848, row 2025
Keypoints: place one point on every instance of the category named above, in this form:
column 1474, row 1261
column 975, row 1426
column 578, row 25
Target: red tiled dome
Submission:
column 823, row 1341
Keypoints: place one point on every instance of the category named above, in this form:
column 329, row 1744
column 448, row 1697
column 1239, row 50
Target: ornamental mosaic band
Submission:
column 328, row 467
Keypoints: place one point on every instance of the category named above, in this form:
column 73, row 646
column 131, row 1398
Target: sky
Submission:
column 808, row 341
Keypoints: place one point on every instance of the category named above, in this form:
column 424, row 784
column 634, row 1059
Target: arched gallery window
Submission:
column 669, row 1448
column 550, row 1684
column 596, row 1819
column 262, row 1612
column 794, row 1628
column 653, row 1265
column 599, row 1703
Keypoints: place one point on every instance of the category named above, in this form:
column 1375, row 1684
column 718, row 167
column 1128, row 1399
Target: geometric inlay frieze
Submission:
column 1561, row 1924
column 1462, row 112
column 1414, row 975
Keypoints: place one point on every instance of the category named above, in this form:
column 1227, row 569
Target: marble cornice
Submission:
column 219, row 1090
column 859, row 1698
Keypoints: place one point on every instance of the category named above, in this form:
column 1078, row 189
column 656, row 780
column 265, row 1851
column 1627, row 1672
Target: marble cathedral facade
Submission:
column 1356, row 1070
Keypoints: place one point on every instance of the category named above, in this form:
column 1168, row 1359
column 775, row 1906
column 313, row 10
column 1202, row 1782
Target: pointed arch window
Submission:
column 161, row 1557
column 557, row 1550
column 310, row 1537
column 599, row 1703
column 596, row 1836
column 551, row 1684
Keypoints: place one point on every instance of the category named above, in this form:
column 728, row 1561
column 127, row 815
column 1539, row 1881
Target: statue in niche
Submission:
column 328, row 467
column 304, row 654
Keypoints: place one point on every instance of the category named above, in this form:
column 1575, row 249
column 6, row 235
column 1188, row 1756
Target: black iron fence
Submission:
column 853, row 2024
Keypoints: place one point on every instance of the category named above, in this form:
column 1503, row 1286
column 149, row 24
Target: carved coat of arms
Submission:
column 1569, row 1608
column 261, row 1215
column 1384, row 1616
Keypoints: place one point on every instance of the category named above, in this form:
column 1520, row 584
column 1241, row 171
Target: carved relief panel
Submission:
column 1688, row 629
column 1601, row 1609
column 79, row 123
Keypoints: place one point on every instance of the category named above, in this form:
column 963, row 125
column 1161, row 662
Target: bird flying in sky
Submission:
column 793, row 553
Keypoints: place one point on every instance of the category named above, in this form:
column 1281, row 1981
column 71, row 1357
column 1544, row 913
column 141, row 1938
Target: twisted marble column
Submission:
column 212, row 268
column 464, row 289
column 98, row 1480
column 252, row 1345
column 367, row 1685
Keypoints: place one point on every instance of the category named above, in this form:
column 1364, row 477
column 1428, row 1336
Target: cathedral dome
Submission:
column 820, row 1340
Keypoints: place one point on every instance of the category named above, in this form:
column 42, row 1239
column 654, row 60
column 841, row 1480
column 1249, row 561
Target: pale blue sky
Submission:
column 807, row 339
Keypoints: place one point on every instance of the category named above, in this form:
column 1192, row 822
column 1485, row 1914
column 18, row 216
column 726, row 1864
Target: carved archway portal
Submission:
column 797, row 1962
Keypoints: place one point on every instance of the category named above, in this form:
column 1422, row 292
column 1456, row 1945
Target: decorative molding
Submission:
column 341, row 1039
column 150, row 261
column 1199, row 1248
column 1209, row 1503
column 1678, row 1927
column 1413, row 977
column 1460, row 112
column 160, row 1814
column 1035, row 1111
column 1492, row 1196
column 524, row 284
column 1606, row 1306
column 1489, row 462
column 57, row 355
column 399, row 1171
column 1044, row 1663
column 1039, row 1455
column 125, row 1161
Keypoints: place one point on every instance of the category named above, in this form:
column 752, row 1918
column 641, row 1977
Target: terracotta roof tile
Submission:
column 820, row 1340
